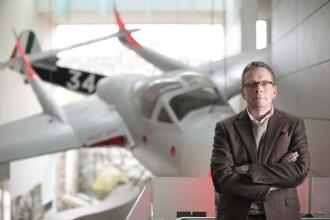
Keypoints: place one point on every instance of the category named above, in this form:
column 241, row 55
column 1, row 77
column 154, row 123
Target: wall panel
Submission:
column 307, row 8
column 301, row 58
column 313, row 38
column 284, row 54
column 319, row 147
column 286, row 96
column 313, row 89
column 284, row 18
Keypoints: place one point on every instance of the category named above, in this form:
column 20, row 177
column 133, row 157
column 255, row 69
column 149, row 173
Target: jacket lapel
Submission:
column 243, row 127
column 274, row 127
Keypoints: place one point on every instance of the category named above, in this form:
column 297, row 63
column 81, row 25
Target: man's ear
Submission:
column 242, row 93
column 275, row 91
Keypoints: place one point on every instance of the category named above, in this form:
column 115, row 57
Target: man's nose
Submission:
column 259, row 88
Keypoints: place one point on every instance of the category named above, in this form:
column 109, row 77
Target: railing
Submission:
column 166, row 198
column 196, row 218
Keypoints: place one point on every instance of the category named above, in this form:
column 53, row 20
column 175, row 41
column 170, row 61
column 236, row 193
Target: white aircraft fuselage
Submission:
column 171, row 119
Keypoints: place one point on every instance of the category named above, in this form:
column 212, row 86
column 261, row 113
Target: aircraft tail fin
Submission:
column 160, row 61
column 48, row 104
column 30, row 44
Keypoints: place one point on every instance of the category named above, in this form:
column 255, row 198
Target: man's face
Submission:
column 259, row 89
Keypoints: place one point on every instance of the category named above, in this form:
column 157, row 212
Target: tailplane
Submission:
column 31, row 47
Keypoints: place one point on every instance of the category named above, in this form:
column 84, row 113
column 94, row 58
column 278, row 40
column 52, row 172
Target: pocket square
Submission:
column 284, row 134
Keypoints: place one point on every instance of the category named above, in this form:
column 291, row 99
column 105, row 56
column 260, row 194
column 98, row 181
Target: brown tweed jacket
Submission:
column 234, row 146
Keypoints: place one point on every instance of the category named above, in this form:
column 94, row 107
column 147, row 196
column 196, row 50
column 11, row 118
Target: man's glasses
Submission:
column 256, row 84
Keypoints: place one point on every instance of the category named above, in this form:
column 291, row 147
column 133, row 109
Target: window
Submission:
column 192, row 100
column 261, row 34
column 164, row 117
column 149, row 92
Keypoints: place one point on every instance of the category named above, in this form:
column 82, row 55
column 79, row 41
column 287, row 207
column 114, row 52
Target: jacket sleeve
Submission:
column 225, row 179
column 284, row 174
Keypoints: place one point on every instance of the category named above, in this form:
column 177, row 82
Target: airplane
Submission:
column 167, row 121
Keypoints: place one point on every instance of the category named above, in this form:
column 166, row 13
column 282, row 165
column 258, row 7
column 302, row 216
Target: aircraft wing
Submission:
column 90, row 122
column 96, row 123
column 226, row 73
column 33, row 136
column 160, row 61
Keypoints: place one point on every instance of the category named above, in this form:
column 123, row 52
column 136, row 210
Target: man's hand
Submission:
column 242, row 169
column 290, row 157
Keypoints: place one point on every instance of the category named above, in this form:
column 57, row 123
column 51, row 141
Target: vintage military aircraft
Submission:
column 167, row 121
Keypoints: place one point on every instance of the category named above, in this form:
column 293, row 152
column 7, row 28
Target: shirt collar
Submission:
column 263, row 119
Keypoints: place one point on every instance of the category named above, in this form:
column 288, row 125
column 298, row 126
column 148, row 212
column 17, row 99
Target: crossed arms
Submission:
column 255, row 184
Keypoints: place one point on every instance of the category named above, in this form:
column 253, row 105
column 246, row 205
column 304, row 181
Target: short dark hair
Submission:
column 254, row 65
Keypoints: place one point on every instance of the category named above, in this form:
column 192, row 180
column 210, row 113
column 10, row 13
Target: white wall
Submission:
column 240, row 20
column 17, row 99
column 301, row 59
column 28, row 173
column 249, row 18
column 233, row 27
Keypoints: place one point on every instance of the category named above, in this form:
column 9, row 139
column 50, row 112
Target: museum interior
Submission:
column 108, row 108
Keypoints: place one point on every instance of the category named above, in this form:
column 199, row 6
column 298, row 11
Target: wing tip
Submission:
column 120, row 23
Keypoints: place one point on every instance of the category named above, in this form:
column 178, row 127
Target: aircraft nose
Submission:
column 197, row 140
column 198, row 143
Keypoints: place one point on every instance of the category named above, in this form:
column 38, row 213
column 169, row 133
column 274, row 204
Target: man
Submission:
column 260, row 155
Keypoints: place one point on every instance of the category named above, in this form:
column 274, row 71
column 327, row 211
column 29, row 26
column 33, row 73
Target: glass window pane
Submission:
column 261, row 34
column 164, row 117
column 192, row 100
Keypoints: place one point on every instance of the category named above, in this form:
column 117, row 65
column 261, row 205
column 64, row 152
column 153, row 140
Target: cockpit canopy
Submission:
column 198, row 98
column 182, row 93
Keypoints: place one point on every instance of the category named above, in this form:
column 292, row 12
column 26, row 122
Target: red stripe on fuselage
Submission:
column 118, row 141
column 122, row 27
